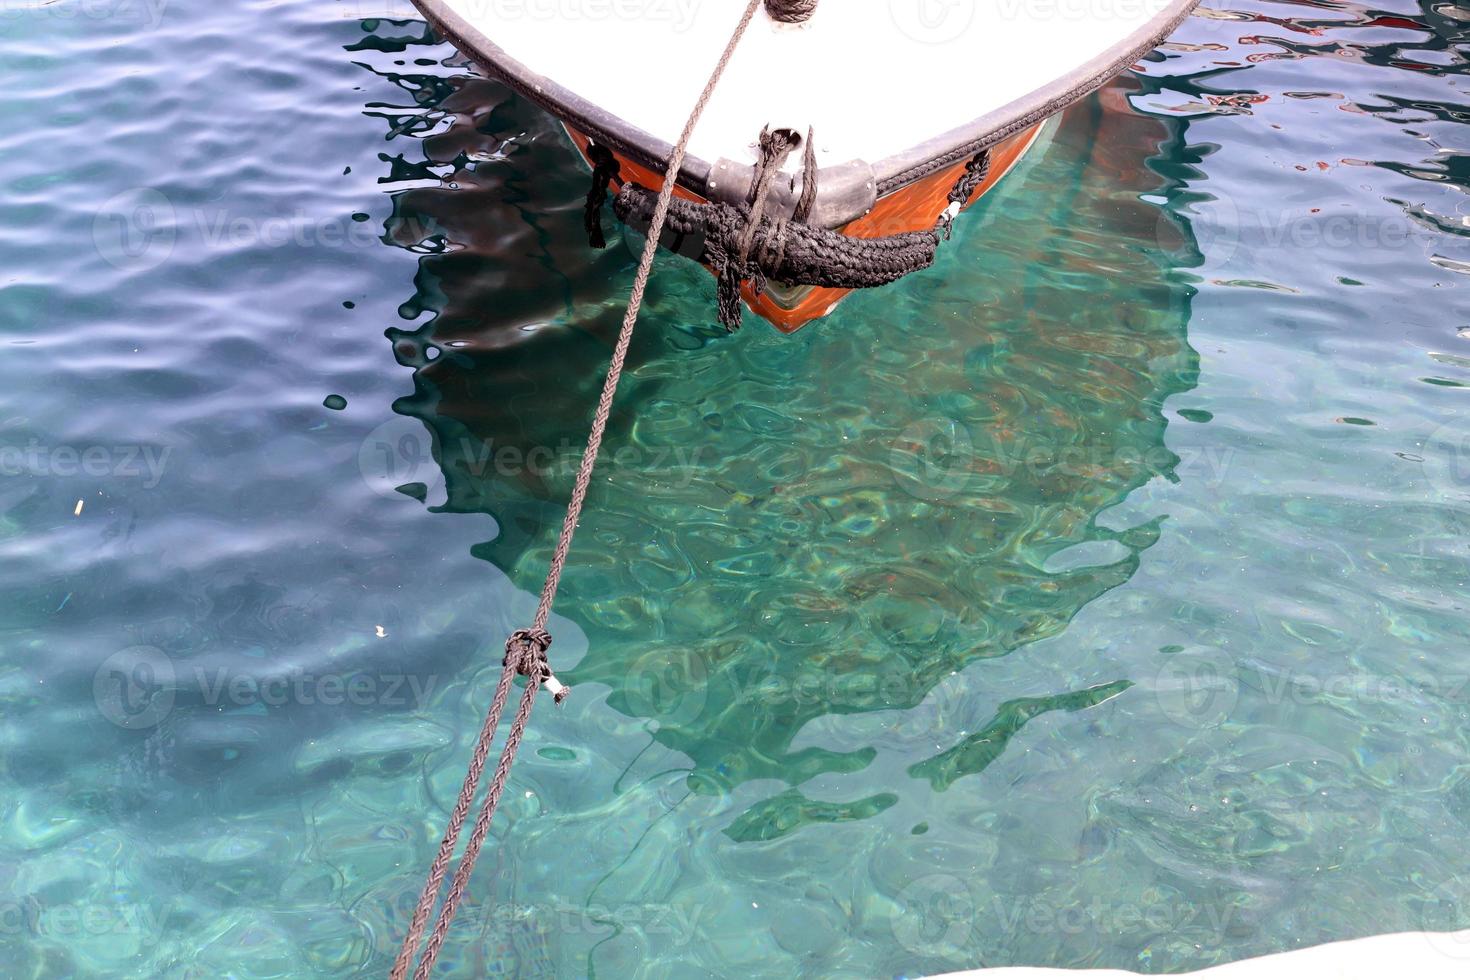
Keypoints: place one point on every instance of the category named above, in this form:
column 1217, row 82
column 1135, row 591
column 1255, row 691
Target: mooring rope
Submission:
column 525, row 650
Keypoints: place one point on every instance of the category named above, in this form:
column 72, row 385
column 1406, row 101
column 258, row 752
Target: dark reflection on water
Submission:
column 826, row 525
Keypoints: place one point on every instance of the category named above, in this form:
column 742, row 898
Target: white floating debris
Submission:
column 78, row 511
column 381, row 632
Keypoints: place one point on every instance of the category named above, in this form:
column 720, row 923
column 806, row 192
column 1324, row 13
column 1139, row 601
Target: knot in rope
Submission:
column 525, row 650
column 791, row 11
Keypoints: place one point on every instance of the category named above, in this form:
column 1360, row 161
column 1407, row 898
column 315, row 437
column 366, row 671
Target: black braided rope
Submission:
column 782, row 250
column 775, row 146
column 604, row 168
column 973, row 176
column 743, row 242
column 975, row 173
column 808, row 197
column 791, row 11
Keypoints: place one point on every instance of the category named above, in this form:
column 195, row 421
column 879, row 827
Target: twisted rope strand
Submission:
column 526, row 649
column 481, row 829
column 456, row 821
column 620, row 353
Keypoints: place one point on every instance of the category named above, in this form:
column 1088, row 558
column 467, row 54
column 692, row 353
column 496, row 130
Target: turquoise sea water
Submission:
column 1095, row 598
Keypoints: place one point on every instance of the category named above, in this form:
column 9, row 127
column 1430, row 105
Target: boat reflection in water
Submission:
column 796, row 546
